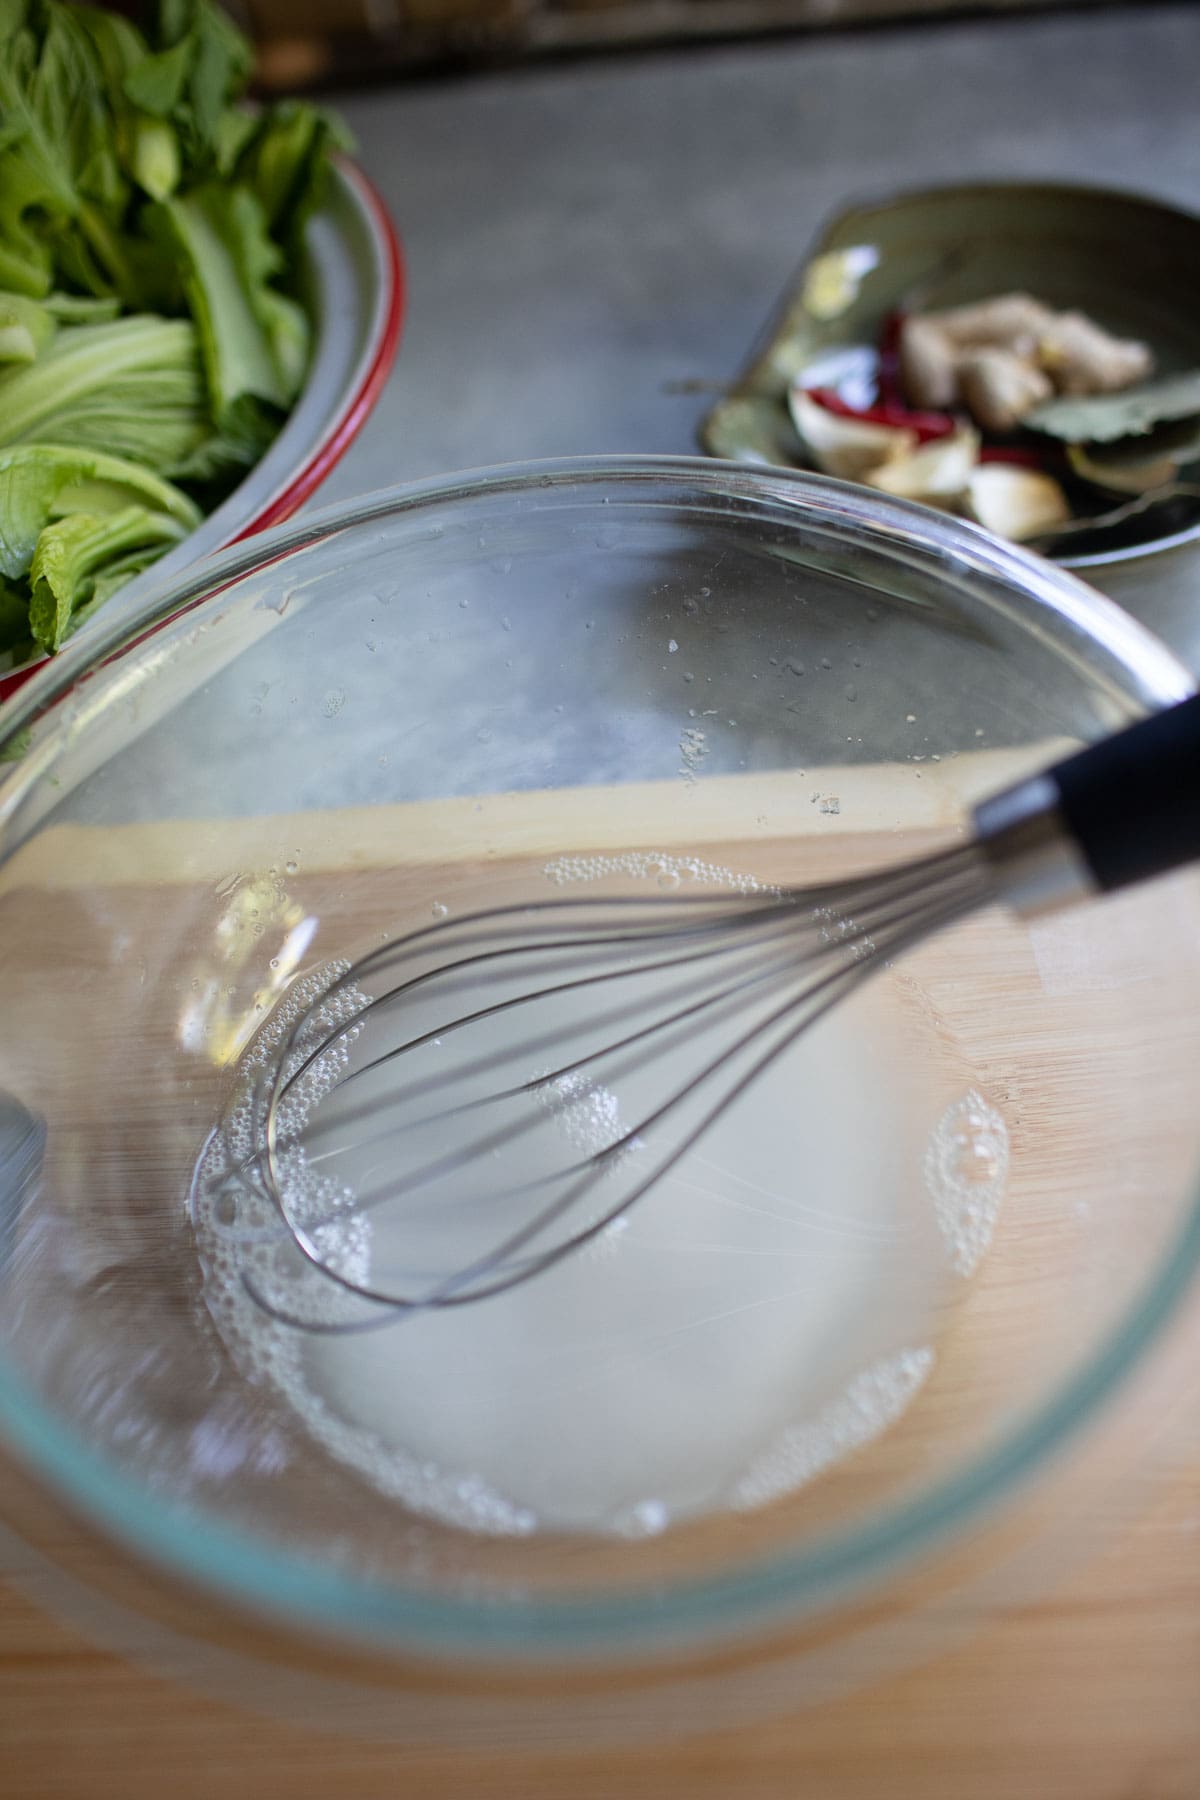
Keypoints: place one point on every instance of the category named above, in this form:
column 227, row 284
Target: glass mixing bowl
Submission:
column 651, row 671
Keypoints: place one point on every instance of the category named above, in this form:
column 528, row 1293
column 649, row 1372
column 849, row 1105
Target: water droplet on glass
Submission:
column 439, row 909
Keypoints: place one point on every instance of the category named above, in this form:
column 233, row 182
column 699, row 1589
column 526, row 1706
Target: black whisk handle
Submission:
column 1132, row 802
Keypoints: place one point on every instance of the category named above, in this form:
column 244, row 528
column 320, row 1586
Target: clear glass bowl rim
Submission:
column 189, row 1545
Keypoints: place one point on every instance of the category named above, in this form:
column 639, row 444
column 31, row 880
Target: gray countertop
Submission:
column 580, row 237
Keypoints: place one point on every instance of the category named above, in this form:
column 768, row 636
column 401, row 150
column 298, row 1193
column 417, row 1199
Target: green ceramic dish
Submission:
column 1132, row 263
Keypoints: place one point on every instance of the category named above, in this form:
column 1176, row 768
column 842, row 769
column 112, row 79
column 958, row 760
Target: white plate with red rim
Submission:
column 357, row 276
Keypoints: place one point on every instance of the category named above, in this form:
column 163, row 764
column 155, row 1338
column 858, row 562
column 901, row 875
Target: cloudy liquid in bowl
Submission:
column 770, row 1306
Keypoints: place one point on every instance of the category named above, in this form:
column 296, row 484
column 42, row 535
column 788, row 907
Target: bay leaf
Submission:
column 1103, row 418
column 1177, row 438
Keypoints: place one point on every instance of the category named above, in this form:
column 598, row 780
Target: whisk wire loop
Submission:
column 679, row 970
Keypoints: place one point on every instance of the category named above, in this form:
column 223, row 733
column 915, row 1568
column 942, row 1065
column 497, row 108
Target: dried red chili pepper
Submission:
column 1023, row 456
column 926, row 425
column 891, row 387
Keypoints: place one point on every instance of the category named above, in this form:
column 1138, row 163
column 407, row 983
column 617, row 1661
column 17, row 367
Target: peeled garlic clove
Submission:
column 1015, row 503
column 937, row 473
column 845, row 447
column 1123, row 474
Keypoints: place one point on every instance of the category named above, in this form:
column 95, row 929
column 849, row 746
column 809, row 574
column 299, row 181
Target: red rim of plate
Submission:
column 345, row 425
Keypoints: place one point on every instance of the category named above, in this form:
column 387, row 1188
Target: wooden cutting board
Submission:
column 1092, row 1693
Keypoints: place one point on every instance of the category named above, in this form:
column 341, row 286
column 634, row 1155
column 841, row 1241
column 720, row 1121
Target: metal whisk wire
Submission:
column 1118, row 812
column 797, row 953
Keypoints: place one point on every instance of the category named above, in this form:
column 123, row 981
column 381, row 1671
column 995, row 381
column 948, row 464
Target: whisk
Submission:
column 496, row 1090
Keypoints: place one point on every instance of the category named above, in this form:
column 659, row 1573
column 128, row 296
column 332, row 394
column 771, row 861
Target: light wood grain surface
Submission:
column 1092, row 1693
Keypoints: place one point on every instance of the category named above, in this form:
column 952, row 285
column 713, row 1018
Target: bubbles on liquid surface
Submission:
column 588, row 1113
column 232, row 1204
column 966, row 1169
column 839, row 928
column 244, row 1245
column 653, row 865
column 873, row 1401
